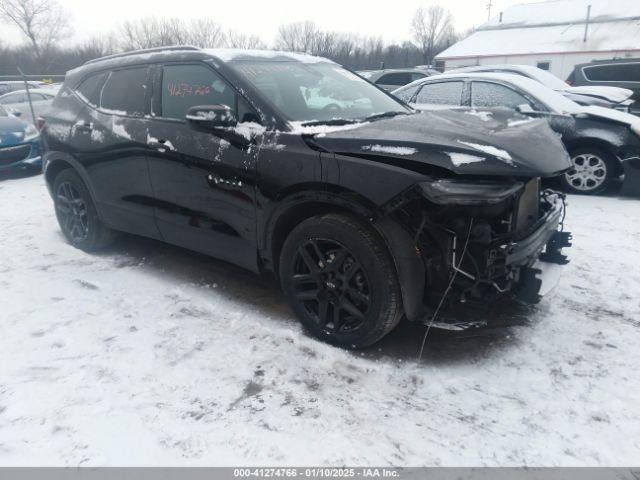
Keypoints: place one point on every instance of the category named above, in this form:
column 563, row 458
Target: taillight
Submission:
column 40, row 123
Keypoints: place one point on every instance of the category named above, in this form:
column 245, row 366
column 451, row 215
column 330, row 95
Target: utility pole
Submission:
column 489, row 5
column 586, row 24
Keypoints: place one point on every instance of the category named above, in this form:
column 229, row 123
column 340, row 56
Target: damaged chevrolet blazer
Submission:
column 365, row 210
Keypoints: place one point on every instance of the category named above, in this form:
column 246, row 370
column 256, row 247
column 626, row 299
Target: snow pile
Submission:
column 145, row 354
column 299, row 128
column 390, row 150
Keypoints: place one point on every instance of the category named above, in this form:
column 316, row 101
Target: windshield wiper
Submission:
column 378, row 116
column 332, row 122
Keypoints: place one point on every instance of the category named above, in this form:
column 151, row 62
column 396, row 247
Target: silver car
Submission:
column 390, row 79
column 17, row 103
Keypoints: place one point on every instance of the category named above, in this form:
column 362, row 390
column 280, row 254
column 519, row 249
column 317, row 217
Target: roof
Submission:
column 554, row 27
column 47, row 91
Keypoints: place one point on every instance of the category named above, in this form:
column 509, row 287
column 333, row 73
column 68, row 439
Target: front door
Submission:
column 204, row 185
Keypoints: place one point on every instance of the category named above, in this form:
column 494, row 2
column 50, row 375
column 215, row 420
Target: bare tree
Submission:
column 298, row 37
column 432, row 28
column 204, row 32
column 240, row 40
column 43, row 22
column 152, row 32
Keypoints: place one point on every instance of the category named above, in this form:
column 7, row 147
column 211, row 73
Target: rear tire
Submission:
column 340, row 280
column 592, row 172
column 77, row 214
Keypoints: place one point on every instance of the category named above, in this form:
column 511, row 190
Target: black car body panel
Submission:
column 433, row 139
column 236, row 193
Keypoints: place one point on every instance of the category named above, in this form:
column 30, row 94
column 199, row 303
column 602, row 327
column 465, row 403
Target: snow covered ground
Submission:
column 150, row 355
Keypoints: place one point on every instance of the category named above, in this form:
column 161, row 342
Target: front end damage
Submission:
column 479, row 241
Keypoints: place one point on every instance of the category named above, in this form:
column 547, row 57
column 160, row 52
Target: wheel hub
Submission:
column 331, row 284
column 588, row 173
column 72, row 212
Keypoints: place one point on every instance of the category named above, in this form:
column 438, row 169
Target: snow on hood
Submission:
column 612, row 94
column 611, row 114
column 503, row 144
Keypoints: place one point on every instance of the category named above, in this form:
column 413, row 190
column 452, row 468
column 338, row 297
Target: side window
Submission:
column 184, row 86
column 622, row 72
column 125, row 91
column 14, row 98
column 407, row 94
column 89, row 89
column 4, row 89
column 441, row 93
column 488, row 95
column 397, row 79
column 416, row 76
column 544, row 65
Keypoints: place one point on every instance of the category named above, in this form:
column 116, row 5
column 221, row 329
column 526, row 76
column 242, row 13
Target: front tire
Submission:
column 340, row 280
column 592, row 172
column 77, row 214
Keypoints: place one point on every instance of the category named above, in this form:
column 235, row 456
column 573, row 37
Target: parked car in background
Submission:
column 610, row 97
column 390, row 79
column 603, row 143
column 17, row 102
column 362, row 210
column 611, row 73
column 19, row 142
column 7, row 86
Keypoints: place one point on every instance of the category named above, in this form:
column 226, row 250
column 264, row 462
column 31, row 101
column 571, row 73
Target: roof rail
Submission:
column 145, row 50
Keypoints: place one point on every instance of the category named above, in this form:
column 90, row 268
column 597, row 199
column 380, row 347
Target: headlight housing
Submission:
column 464, row 192
column 30, row 133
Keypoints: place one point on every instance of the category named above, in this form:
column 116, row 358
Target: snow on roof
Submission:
column 609, row 36
column 564, row 12
column 555, row 26
column 229, row 54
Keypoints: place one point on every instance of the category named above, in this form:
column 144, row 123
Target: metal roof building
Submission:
column 554, row 35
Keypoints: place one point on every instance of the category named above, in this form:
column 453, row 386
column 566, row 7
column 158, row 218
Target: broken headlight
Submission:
column 465, row 192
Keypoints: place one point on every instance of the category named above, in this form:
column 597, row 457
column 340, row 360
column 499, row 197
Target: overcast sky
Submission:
column 262, row 17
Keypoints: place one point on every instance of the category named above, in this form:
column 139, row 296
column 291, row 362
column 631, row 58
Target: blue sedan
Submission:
column 19, row 143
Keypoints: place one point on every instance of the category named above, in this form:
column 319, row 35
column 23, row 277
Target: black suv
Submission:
column 624, row 73
column 365, row 210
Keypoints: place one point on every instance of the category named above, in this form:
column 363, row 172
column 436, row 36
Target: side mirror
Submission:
column 211, row 117
column 16, row 113
column 525, row 109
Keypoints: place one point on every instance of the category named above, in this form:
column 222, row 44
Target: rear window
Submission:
column 125, row 92
column 622, row 72
column 89, row 89
column 399, row 79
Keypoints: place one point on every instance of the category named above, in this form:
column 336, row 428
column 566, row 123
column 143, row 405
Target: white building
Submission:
column 554, row 35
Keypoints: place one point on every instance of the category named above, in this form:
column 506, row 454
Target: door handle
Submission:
column 161, row 145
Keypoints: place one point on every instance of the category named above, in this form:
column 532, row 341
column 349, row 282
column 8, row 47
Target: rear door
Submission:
column 109, row 138
column 204, row 185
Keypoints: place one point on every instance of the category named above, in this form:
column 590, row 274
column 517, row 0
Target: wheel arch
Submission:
column 298, row 206
column 56, row 164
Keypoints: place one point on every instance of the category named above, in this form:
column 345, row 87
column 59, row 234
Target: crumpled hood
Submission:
column 11, row 131
column 611, row 94
column 496, row 142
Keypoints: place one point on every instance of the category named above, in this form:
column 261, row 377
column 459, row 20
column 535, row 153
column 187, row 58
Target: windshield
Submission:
column 316, row 92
